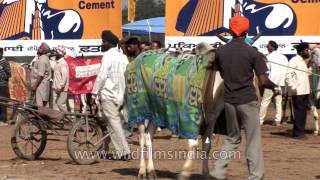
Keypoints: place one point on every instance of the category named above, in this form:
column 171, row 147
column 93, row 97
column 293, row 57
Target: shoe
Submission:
column 3, row 124
column 11, row 122
column 210, row 177
column 126, row 157
column 275, row 123
column 301, row 137
column 284, row 123
column 174, row 136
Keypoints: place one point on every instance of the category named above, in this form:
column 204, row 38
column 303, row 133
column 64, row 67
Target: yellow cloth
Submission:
column 18, row 84
column 131, row 10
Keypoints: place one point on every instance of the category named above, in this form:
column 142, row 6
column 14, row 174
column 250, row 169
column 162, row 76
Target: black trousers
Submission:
column 4, row 92
column 300, row 103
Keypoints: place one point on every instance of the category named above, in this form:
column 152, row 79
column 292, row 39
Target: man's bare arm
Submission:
column 265, row 81
column 222, row 38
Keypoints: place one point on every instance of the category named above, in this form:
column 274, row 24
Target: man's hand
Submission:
column 277, row 90
column 294, row 92
column 121, row 107
column 58, row 91
column 33, row 88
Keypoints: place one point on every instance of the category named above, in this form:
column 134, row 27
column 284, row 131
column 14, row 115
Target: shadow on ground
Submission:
column 160, row 174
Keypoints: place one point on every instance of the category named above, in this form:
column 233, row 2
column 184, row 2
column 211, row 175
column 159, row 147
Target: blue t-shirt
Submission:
column 247, row 40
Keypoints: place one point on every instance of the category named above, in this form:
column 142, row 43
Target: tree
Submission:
column 146, row 9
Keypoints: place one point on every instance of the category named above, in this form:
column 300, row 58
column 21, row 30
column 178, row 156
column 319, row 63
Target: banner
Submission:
column 18, row 84
column 73, row 23
column 82, row 74
column 286, row 21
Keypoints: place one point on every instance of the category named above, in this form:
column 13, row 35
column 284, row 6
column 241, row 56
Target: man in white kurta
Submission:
column 110, row 86
column 277, row 66
column 299, row 84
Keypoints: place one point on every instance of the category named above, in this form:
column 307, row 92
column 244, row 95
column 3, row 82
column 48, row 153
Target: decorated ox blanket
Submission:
column 167, row 91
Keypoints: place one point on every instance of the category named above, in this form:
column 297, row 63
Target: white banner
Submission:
column 285, row 42
column 29, row 48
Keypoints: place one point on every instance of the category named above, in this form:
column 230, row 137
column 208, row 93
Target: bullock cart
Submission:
column 34, row 124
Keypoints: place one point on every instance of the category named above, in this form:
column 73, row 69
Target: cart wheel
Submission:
column 84, row 142
column 29, row 138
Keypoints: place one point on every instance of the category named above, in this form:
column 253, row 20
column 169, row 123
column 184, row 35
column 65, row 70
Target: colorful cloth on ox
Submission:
column 167, row 91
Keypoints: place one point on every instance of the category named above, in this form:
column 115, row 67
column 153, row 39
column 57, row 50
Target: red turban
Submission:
column 239, row 25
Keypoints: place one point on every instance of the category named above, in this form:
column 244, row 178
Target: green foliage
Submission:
column 146, row 9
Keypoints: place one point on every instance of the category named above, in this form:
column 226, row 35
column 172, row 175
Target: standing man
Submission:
column 299, row 84
column 5, row 74
column 277, row 66
column 60, row 81
column 110, row 86
column 241, row 106
column 132, row 48
column 41, row 75
column 145, row 46
column 156, row 45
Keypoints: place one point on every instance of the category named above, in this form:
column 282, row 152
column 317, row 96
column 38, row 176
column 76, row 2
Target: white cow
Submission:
column 213, row 105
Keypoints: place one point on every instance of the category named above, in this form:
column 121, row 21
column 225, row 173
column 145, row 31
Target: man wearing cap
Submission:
column 299, row 84
column 277, row 66
column 60, row 80
column 237, row 63
column 41, row 75
column 110, row 86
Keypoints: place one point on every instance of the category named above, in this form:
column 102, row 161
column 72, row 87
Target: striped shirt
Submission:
column 110, row 82
column 5, row 72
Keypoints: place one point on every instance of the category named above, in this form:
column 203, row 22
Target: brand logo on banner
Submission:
column 276, row 19
column 82, row 74
column 52, row 20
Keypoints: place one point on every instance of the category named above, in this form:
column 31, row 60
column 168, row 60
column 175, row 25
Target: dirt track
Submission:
column 285, row 158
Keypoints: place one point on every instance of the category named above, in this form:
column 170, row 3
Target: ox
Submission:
column 183, row 94
column 315, row 85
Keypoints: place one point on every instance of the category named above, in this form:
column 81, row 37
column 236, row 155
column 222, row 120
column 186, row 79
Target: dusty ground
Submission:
column 285, row 158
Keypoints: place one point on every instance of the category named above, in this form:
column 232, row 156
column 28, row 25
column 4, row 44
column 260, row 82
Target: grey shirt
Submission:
column 41, row 67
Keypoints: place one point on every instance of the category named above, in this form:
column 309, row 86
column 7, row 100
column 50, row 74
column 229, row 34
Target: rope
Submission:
column 299, row 70
column 295, row 68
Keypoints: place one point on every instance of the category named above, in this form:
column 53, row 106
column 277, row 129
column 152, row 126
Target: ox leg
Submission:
column 142, row 171
column 192, row 145
column 316, row 119
column 98, row 110
column 149, row 138
column 206, row 147
column 71, row 102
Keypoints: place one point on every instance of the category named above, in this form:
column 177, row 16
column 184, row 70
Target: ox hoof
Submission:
column 205, row 174
column 142, row 176
column 315, row 133
column 152, row 175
